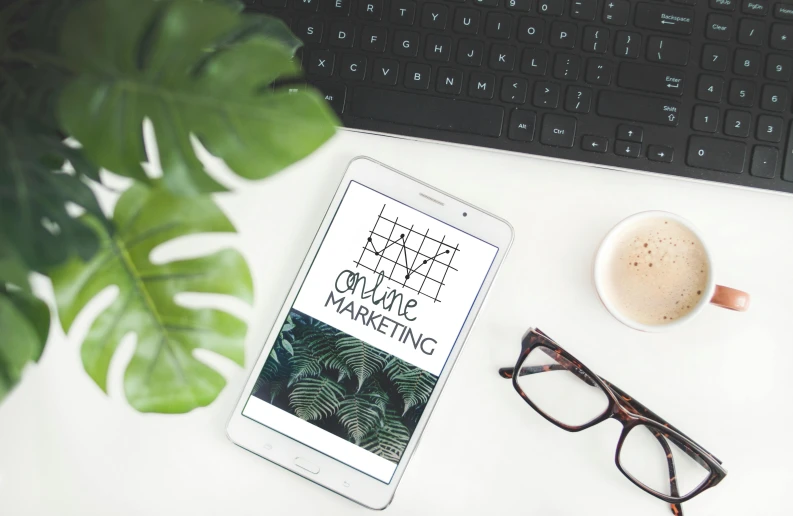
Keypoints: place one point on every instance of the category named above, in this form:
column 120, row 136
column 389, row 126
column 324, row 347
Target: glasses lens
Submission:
column 561, row 390
column 661, row 463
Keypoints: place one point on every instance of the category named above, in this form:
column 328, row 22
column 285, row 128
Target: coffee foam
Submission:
column 657, row 271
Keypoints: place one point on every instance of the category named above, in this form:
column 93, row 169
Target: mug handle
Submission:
column 731, row 298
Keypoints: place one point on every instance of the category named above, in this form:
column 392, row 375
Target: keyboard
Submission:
column 692, row 88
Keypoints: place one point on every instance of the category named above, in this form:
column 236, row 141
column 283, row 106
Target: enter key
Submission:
column 652, row 79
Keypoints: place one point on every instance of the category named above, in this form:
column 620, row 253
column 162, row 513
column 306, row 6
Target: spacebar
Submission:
column 425, row 111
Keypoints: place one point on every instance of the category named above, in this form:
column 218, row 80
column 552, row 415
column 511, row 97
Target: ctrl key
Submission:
column 715, row 154
column 558, row 131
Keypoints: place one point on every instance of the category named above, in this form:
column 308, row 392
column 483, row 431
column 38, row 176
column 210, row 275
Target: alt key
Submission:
column 660, row 153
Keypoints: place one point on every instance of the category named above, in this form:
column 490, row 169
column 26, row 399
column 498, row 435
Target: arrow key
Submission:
column 591, row 143
column 630, row 133
column 627, row 149
column 660, row 153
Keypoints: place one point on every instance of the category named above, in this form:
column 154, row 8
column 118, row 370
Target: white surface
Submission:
column 724, row 379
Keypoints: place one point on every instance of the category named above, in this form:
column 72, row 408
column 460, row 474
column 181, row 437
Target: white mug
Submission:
column 718, row 295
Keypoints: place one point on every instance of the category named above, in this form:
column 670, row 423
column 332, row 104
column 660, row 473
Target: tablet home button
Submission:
column 306, row 465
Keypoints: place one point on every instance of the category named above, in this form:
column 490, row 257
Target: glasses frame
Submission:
column 625, row 409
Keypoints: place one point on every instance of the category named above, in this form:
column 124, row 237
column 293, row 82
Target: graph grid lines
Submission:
column 410, row 258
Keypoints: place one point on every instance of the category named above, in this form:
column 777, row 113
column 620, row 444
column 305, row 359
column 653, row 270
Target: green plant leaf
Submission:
column 413, row 383
column 316, row 398
column 34, row 195
column 361, row 413
column 24, row 326
column 362, row 359
column 389, row 439
column 191, row 68
column 163, row 374
column 303, row 365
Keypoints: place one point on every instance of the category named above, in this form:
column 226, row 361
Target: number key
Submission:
column 774, row 98
column 551, row 7
column 710, row 88
column 747, row 62
column 769, row 128
column 706, row 119
column 778, row 67
column 714, row 58
column 737, row 123
column 578, row 100
column 742, row 93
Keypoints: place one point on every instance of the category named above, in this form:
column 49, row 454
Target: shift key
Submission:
column 638, row 108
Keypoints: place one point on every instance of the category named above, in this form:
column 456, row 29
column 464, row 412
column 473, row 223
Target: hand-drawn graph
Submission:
column 412, row 258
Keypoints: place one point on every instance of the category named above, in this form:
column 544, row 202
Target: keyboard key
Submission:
column 305, row 5
column 627, row 106
column 450, row 81
column 535, row 62
column 723, row 5
column 385, row 71
column 769, row 128
column 705, row 119
column 649, row 78
column 482, row 85
column 719, row 27
column 373, row 39
column 470, row 52
column 665, row 18
column 519, row 5
column 502, row 57
column 406, row 43
column 764, row 161
column 309, row 31
column 521, row 125
column 321, row 63
column 486, row 3
column 513, row 90
column 742, row 93
column 627, row 149
column 787, row 172
column 466, row 21
column 774, row 98
column 403, row 12
column 567, row 67
column 371, row 10
column 755, row 7
column 558, row 131
column 662, row 49
column 438, row 48
column 353, row 67
column 599, row 71
column 747, row 62
column 546, row 95
column 616, row 12
column 531, row 30
column 417, row 76
column 660, row 153
column 751, row 32
column 435, row 16
column 591, row 143
column 737, row 123
column 342, row 34
column 782, row 36
column 778, row 67
column 595, row 40
column 784, row 11
column 563, row 35
column 498, row 26
column 714, row 58
column 714, row 154
column 550, row 7
column 628, row 44
column 630, row 133
column 578, row 100
column 429, row 112
column 583, row 9
column 710, row 88
column 334, row 93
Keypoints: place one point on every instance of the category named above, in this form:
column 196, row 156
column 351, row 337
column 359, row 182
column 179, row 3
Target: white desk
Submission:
column 724, row 379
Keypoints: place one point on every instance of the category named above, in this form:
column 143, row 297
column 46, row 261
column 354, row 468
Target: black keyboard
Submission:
column 693, row 88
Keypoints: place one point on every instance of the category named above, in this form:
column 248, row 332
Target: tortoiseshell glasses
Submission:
column 653, row 454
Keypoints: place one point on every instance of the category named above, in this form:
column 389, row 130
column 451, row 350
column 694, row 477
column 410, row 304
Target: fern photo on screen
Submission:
column 344, row 386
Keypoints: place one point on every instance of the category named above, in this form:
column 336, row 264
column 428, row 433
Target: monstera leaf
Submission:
column 200, row 69
column 316, row 398
column 362, row 359
column 388, row 439
column 163, row 374
column 25, row 323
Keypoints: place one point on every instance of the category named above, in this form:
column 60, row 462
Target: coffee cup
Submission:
column 653, row 272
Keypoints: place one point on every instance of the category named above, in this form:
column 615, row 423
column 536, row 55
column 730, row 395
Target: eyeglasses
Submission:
column 653, row 454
